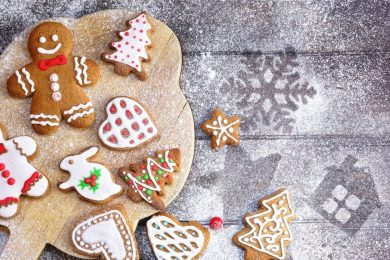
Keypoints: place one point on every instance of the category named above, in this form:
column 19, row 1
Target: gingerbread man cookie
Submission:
column 17, row 175
column 222, row 129
column 54, row 79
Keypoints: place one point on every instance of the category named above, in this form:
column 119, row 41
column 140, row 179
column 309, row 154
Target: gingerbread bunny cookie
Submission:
column 54, row 79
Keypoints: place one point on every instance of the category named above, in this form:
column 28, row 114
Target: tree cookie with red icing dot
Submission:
column 127, row 125
column 147, row 180
column 17, row 176
column 222, row 129
column 55, row 79
column 130, row 51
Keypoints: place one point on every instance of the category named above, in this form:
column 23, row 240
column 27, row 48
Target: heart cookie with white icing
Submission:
column 106, row 233
column 171, row 239
column 128, row 124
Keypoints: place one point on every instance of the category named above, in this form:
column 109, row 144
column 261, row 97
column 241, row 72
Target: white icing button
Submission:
column 215, row 132
column 225, row 121
column 54, row 77
column 56, row 96
column 54, row 37
column 215, row 122
column 55, row 86
column 231, row 130
column 42, row 39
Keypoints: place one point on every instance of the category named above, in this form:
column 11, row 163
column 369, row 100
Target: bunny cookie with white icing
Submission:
column 93, row 181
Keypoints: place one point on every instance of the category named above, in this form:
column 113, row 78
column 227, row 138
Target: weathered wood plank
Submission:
column 245, row 25
column 344, row 95
column 230, row 182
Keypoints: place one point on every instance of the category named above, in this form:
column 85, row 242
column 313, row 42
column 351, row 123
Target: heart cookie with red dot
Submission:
column 128, row 124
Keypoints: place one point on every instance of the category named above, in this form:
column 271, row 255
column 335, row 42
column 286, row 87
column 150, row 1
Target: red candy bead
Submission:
column 165, row 165
column 122, row 103
column 93, row 177
column 11, row 181
column 118, row 121
column 2, row 166
column 87, row 180
column 92, row 184
column 216, row 223
column 5, row 174
column 113, row 108
column 143, row 167
column 154, row 167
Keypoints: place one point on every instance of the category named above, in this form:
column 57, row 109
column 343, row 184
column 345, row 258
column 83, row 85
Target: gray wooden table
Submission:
column 311, row 82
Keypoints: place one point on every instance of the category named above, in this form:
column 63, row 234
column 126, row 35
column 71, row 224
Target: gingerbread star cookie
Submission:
column 222, row 129
column 267, row 233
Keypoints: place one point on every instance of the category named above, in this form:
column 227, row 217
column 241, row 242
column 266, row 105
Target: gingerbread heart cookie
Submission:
column 171, row 239
column 106, row 233
column 55, row 79
column 128, row 124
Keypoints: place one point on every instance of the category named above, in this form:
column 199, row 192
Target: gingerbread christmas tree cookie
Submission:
column 17, row 176
column 147, row 180
column 130, row 51
column 222, row 129
column 267, row 233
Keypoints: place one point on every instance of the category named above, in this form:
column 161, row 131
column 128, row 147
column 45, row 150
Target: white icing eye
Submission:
column 42, row 39
column 54, row 37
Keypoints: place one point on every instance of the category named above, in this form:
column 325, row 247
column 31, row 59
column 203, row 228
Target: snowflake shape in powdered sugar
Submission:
column 273, row 90
column 222, row 129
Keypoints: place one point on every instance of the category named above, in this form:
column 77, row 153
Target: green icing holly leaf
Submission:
column 96, row 172
column 82, row 184
column 95, row 188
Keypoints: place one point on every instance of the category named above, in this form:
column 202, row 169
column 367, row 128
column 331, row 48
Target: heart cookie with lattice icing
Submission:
column 106, row 233
column 128, row 124
column 171, row 239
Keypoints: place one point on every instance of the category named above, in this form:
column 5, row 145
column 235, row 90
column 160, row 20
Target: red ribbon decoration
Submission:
column 45, row 64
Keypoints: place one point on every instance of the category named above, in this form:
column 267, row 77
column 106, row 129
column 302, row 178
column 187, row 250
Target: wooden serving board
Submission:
column 50, row 219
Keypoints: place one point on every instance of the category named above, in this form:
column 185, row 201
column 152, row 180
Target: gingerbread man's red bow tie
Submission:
column 45, row 64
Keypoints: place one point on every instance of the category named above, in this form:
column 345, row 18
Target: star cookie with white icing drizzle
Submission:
column 222, row 129
column 267, row 232
column 106, row 233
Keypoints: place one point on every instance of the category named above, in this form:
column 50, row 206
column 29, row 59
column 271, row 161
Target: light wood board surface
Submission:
column 50, row 219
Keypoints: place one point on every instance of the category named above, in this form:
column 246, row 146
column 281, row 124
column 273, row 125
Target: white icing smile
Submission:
column 50, row 51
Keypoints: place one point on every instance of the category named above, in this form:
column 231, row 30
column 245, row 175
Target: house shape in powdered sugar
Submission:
column 346, row 196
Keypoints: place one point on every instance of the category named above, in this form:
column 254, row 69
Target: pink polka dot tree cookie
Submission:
column 130, row 51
